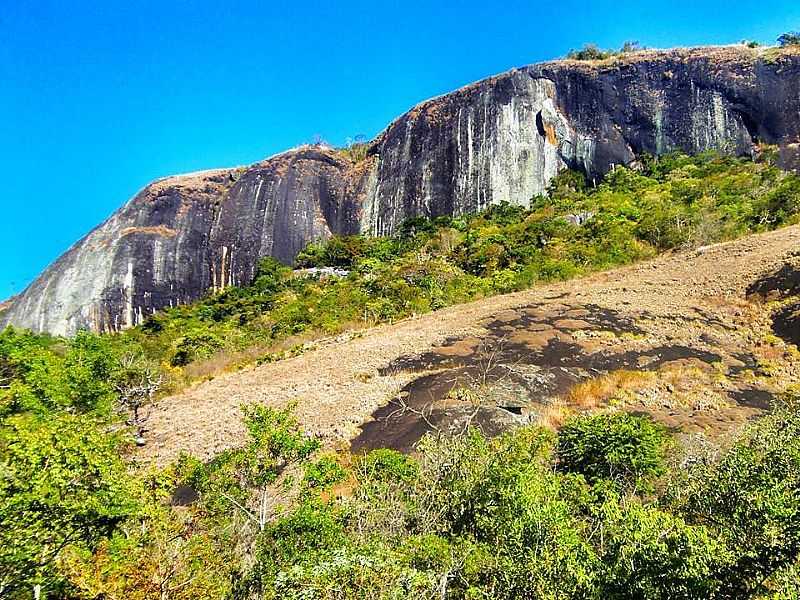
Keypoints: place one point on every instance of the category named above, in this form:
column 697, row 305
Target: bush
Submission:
column 624, row 449
column 589, row 52
column 323, row 473
column 388, row 465
column 790, row 38
column 311, row 528
column 195, row 345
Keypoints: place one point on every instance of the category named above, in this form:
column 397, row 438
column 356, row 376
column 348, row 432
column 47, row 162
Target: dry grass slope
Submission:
column 693, row 300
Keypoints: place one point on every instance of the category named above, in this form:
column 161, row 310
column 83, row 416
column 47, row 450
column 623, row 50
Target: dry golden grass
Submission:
column 229, row 361
column 554, row 415
column 770, row 348
column 596, row 392
column 161, row 230
column 222, row 361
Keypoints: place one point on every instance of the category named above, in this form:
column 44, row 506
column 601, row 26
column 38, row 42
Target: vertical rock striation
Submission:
column 501, row 139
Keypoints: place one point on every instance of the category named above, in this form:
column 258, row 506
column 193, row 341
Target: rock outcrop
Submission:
column 501, row 139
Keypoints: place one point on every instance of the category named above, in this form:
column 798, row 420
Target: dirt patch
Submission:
column 159, row 230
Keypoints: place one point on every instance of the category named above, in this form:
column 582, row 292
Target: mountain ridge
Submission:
column 501, row 138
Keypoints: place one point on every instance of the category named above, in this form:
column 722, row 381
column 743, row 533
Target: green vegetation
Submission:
column 622, row 449
column 610, row 507
column 592, row 52
column 468, row 517
column 674, row 202
column 355, row 152
column 790, row 38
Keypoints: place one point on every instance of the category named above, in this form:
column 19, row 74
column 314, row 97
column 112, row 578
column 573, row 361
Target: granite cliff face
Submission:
column 503, row 138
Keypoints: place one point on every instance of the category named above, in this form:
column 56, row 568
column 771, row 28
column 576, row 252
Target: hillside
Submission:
column 500, row 139
column 606, row 431
column 685, row 317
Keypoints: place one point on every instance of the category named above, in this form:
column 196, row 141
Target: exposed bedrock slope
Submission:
column 503, row 138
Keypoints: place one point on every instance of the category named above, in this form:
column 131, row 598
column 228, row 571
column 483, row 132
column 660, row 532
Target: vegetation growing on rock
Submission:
column 673, row 202
column 790, row 38
column 593, row 52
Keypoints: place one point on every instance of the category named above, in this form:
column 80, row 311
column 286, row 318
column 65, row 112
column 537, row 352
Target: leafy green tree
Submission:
column 89, row 363
column 751, row 498
column 62, row 483
column 652, row 554
column 790, row 38
column 240, row 479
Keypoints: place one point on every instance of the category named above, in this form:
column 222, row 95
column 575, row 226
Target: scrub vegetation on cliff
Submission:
column 673, row 202
column 611, row 506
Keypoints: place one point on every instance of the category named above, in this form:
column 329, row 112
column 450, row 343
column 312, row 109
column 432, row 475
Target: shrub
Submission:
column 388, row 465
column 195, row 345
column 311, row 527
column 276, row 441
column 790, row 38
column 590, row 52
column 622, row 448
column 323, row 473
column 631, row 46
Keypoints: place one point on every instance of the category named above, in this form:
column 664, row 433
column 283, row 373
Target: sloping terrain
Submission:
column 677, row 337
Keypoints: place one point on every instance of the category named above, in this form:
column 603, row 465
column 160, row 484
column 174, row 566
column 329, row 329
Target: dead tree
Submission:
column 136, row 387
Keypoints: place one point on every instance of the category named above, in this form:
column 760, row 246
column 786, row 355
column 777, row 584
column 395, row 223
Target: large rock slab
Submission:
column 500, row 139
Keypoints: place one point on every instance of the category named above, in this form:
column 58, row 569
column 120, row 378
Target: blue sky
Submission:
column 98, row 98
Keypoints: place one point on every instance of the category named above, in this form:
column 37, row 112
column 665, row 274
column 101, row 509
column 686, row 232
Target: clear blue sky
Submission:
column 98, row 98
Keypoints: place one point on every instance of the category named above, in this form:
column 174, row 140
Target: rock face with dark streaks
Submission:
column 501, row 139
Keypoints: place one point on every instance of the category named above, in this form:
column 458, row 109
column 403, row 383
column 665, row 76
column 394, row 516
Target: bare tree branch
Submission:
column 136, row 387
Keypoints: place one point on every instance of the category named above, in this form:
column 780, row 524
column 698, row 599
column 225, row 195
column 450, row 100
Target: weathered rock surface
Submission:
column 503, row 138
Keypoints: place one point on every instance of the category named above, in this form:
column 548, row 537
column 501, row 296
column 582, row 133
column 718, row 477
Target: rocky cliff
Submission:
column 503, row 138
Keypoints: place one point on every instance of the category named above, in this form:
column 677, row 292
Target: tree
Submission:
column 790, row 38
column 62, row 483
column 242, row 478
column 136, row 383
column 649, row 553
column 749, row 498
